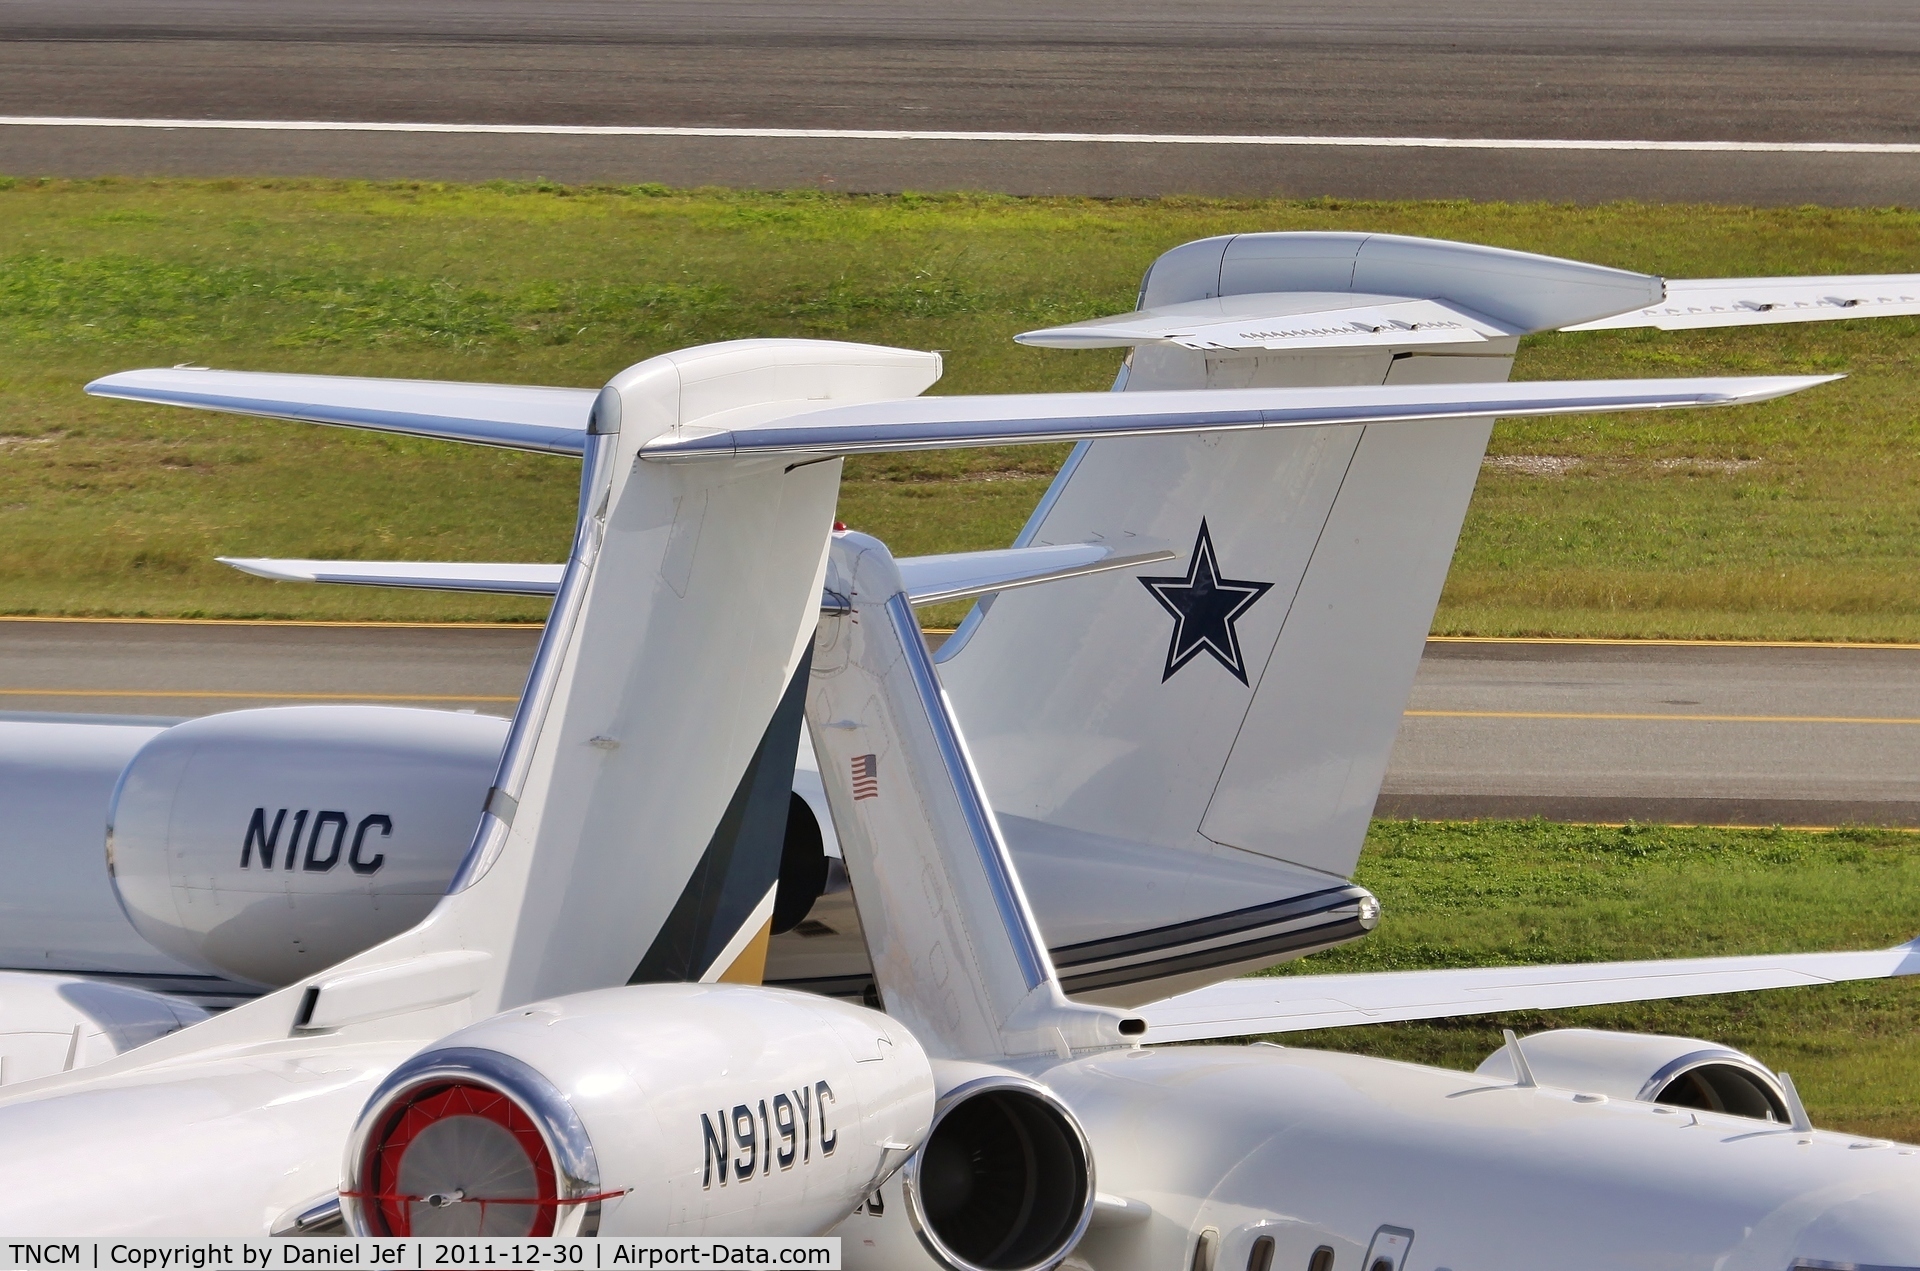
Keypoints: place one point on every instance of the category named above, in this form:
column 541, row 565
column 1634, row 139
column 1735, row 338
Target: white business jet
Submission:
column 1219, row 764
column 1185, row 788
column 1571, row 1150
column 495, row 1067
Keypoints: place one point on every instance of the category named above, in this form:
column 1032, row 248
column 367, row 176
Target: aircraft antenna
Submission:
column 1522, row 1071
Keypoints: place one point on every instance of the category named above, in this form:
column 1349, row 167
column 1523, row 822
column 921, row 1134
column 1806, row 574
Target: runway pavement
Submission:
column 1719, row 734
column 1686, row 70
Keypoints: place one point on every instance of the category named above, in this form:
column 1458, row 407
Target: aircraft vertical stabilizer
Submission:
column 643, row 754
column 957, row 954
column 633, row 831
column 1235, row 708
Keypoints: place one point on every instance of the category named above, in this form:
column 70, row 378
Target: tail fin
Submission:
column 957, row 954
column 657, row 729
column 1231, row 717
column 676, row 567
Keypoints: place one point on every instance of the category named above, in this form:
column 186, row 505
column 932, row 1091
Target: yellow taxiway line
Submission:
column 1625, row 642
column 1697, row 719
column 1746, row 826
column 254, row 697
column 236, row 695
column 280, row 622
column 534, row 626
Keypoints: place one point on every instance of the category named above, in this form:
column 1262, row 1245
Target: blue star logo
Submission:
column 1204, row 607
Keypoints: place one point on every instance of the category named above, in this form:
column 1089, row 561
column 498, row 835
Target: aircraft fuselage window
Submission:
column 1322, row 1259
column 1260, row 1257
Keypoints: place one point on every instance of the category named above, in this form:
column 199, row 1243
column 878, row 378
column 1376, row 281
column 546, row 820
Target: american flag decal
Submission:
column 866, row 777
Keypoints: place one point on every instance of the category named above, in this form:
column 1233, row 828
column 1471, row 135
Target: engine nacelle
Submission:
column 666, row 1109
column 265, row 845
column 1005, row 1179
column 1682, row 1072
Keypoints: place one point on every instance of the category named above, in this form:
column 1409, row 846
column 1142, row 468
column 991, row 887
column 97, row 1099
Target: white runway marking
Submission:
column 901, row 134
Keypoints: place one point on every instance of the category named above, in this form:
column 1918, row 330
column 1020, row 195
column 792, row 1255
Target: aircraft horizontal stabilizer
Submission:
column 511, row 416
column 929, row 579
column 1294, row 1003
column 558, row 420
column 1280, row 321
column 512, row 579
column 957, row 575
column 1693, row 303
column 940, row 423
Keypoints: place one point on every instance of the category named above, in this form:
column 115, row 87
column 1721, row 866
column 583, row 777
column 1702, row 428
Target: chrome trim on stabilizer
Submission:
column 1289, row 928
column 934, row 423
column 505, row 434
column 576, row 1169
column 1293, row 927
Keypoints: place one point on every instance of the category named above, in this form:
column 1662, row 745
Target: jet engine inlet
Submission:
column 1714, row 1082
column 1005, row 1179
column 468, row 1142
column 1681, row 1072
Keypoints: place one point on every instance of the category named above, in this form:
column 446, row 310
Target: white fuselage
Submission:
column 1318, row 1149
column 58, row 912
column 1307, row 1147
column 226, row 1144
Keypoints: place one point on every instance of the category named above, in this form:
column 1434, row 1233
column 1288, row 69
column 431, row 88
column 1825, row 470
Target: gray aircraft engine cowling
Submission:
column 1681, row 1072
column 265, row 845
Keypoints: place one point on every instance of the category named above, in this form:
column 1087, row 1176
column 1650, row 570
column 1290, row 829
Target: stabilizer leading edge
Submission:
column 511, row 416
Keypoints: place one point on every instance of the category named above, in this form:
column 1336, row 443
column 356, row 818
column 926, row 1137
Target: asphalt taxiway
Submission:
column 179, row 669
column 1681, row 733
column 1756, row 71
column 1567, row 730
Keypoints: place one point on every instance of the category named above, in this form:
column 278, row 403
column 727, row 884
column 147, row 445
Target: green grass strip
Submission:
column 1795, row 520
